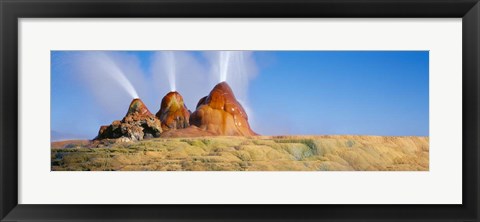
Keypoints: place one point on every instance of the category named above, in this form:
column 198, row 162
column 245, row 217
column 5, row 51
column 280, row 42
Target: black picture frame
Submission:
column 11, row 11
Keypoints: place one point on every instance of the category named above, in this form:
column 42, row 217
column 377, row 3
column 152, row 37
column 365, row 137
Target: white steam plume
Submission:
column 224, row 64
column 170, row 66
column 105, row 68
column 111, row 78
column 191, row 77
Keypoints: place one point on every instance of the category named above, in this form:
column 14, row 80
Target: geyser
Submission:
column 139, row 123
column 138, row 107
column 173, row 113
column 237, row 68
column 221, row 114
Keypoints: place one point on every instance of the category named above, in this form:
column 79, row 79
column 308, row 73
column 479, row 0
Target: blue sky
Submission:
column 290, row 92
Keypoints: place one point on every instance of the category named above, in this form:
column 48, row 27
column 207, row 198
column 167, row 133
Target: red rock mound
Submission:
column 137, row 124
column 173, row 113
column 221, row 114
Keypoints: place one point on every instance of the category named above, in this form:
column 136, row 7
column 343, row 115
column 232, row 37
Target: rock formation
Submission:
column 137, row 124
column 218, row 114
column 221, row 114
column 173, row 113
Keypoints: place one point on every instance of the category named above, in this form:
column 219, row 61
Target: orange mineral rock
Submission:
column 221, row 114
column 173, row 113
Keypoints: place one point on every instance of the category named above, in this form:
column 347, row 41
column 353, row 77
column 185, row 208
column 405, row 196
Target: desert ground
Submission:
column 254, row 153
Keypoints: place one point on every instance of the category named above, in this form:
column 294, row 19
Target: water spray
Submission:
column 224, row 58
column 117, row 75
column 171, row 69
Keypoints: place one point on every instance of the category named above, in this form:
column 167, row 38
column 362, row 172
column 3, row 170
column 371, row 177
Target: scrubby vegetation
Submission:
column 283, row 153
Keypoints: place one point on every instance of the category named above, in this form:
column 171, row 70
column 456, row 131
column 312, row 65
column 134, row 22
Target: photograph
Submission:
column 235, row 110
column 231, row 111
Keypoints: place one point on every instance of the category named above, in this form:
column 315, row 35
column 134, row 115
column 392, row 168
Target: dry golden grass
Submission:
column 262, row 153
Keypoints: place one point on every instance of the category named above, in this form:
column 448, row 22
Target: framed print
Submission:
column 206, row 110
column 230, row 129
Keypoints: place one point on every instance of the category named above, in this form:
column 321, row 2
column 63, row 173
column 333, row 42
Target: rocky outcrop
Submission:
column 137, row 124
